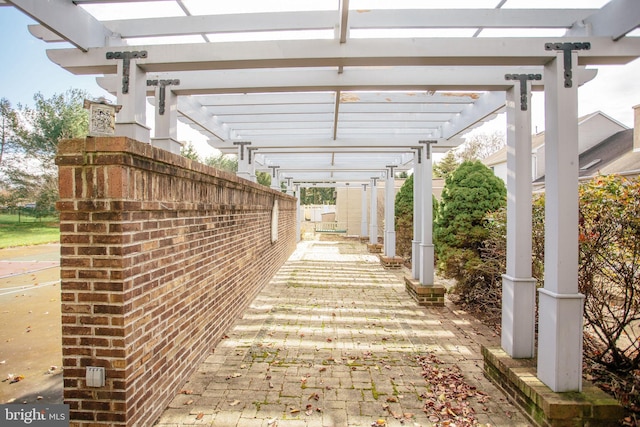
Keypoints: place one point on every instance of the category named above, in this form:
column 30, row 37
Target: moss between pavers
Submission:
column 516, row 378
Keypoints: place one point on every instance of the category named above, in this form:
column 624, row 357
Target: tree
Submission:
column 8, row 127
column 263, row 178
column 317, row 196
column 609, row 273
column 480, row 146
column 469, row 193
column 32, row 175
column 404, row 219
column 189, row 151
column 446, row 165
column 223, row 162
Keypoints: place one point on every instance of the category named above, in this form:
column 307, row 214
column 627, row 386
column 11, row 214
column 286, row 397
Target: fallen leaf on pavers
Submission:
column 234, row 403
column 234, row 375
column 329, row 340
column 39, row 398
column 385, row 407
column 272, row 423
column 243, row 366
column 408, row 415
column 392, row 399
column 15, row 378
column 322, row 369
column 268, row 377
column 314, row 396
column 188, row 402
column 186, row 391
column 294, row 410
column 318, row 409
column 309, row 410
column 270, row 384
column 200, row 416
column 379, row 423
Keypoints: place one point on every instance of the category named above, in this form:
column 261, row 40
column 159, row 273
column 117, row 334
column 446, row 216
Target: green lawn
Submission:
column 29, row 231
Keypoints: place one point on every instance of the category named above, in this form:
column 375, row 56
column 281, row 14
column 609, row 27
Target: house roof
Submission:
column 601, row 158
column 538, row 139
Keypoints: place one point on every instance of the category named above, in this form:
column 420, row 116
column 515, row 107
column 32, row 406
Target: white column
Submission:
column 275, row 179
column 243, row 159
column 427, row 257
column 561, row 305
column 252, row 164
column 165, row 133
column 418, row 192
column 289, row 186
column 518, row 287
column 373, row 217
column 363, row 222
column 298, row 214
column 389, row 214
column 131, row 121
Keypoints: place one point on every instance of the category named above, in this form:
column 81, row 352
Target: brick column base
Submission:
column 517, row 379
column 428, row 296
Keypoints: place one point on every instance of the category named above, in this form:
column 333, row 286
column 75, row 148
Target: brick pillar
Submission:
column 159, row 256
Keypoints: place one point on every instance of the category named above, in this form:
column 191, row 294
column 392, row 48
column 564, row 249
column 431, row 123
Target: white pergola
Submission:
column 330, row 93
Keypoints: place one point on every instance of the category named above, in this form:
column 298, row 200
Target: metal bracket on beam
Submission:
column 126, row 64
column 390, row 170
column 566, row 48
column 162, row 84
column 242, row 144
column 419, row 153
column 523, row 78
column 249, row 151
column 374, row 179
column 427, row 144
column 273, row 170
column 289, row 179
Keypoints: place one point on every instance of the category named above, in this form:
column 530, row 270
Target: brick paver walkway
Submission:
column 334, row 340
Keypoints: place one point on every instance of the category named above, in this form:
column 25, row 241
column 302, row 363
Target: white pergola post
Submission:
column 389, row 214
column 275, row 179
column 131, row 121
column 243, row 159
column 518, row 287
column 561, row 305
column 373, row 227
column 363, row 221
column 252, row 164
column 418, row 193
column 289, row 186
column 427, row 257
column 166, row 121
column 298, row 214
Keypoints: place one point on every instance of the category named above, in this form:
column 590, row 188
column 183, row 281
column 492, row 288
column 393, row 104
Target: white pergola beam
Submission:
column 409, row 143
column 408, row 79
column 199, row 116
column 447, row 52
column 317, row 20
column 489, row 104
column 616, row 19
column 70, row 22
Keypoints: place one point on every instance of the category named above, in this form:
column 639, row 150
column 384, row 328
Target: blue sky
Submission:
column 26, row 70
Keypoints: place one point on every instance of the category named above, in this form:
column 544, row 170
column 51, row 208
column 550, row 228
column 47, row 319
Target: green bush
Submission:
column 470, row 192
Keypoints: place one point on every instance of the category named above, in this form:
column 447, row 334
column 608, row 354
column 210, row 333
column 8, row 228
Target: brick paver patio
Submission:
column 335, row 340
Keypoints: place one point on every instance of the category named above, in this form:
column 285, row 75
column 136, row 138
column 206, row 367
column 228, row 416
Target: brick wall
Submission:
column 159, row 256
